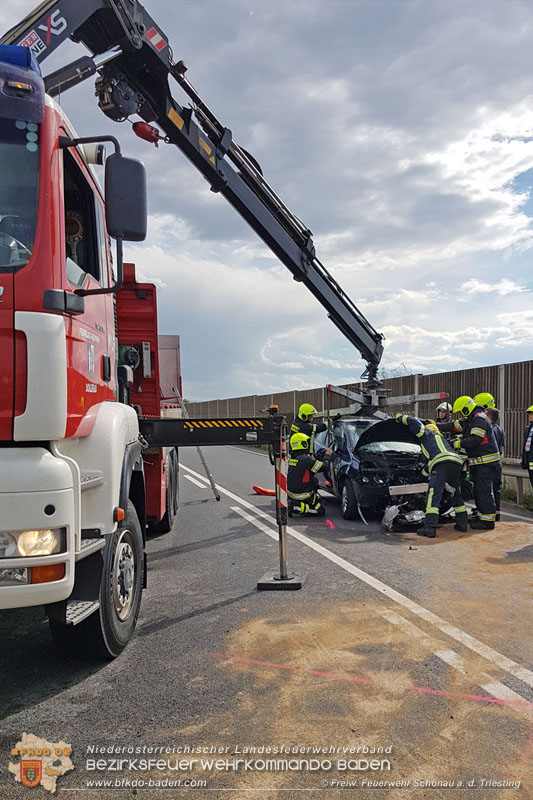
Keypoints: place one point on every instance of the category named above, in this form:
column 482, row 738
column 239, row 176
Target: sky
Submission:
column 399, row 131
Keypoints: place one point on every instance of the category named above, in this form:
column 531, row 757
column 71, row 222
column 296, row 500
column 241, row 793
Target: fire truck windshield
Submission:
column 19, row 191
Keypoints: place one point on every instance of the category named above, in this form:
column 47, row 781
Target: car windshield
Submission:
column 391, row 447
column 19, row 188
column 354, row 429
column 349, row 431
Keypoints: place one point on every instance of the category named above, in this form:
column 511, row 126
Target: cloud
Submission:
column 503, row 287
column 396, row 132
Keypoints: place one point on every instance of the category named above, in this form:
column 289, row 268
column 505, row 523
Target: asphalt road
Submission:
column 422, row 648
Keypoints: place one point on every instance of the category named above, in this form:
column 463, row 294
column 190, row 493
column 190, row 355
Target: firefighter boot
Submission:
column 461, row 527
column 481, row 525
column 427, row 530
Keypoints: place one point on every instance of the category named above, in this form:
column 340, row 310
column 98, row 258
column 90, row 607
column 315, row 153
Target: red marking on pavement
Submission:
column 471, row 696
column 339, row 677
column 253, row 661
column 326, row 522
column 304, row 671
column 356, row 679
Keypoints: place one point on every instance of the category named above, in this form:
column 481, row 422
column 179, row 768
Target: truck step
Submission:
column 78, row 610
column 89, row 480
column 90, row 546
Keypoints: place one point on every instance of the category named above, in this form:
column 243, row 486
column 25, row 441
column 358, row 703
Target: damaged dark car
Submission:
column 376, row 467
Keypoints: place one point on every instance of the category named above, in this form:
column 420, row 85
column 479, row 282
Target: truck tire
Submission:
column 348, row 501
column 105, row 634
column 171, row 497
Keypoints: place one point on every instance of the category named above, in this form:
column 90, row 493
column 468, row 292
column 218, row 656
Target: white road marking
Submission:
column 501, row 692
column 523, row 674
column 196, row 483
column 454, row 660
column 254, row 521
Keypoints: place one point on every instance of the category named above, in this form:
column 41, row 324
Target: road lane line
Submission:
column 523, row 674
column 254, row 521
column 501, row 691
column 196, row 483
column 450, row 657
column 454, row 660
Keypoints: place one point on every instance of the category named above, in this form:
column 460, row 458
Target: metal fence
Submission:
column 511, row 385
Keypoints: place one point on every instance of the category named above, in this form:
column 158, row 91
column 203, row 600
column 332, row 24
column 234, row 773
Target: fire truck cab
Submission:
column 71, row 477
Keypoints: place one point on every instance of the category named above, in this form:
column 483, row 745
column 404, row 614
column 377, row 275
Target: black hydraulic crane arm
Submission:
column 134, row 60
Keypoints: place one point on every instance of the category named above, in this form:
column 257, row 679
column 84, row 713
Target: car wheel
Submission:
column 348, row 501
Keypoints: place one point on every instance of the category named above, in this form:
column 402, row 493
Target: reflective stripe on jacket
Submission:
column 433, row 445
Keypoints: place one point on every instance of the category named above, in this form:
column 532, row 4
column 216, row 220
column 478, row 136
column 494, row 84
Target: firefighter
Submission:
column 444, row 411
column 304, row 424
column 485, row 400
column 302, row 482
column 527, row 450
column 443, row 467
column 483, row 457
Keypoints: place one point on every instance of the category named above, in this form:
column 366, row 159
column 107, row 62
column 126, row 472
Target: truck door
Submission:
column 90, row 356
column 19, row 191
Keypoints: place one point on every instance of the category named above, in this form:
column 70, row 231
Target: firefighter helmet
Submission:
column 431, row 425
column 305, row 411
column 529, row 410
column 485, row 399
column 299, row 441
column 445, row 407
column 465, row 405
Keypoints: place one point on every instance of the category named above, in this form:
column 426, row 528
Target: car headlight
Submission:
column 39, row 542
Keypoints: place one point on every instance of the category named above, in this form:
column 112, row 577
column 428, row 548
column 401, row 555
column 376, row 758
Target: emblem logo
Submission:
column 37, row 762
column 31, row 772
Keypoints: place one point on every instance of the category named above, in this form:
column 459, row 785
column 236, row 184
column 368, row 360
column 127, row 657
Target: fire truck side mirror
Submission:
column 125, row 198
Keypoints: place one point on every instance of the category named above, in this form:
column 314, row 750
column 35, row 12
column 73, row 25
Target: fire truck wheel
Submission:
column 348, row 501
column 107, row 631
column 171, row 495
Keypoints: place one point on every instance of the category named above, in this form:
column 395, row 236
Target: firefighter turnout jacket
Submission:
column 433, row 445
column 478, row 438
column 301, row 476
column 310, row 429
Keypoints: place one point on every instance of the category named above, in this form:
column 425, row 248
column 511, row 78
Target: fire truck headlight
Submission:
column 40, row 542
column 8, row 545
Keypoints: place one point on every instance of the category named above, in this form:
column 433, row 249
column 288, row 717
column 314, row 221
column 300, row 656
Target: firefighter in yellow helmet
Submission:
column 527, row 450
column 485, row 400
column 302, row 482
column 443, row 468
column 483, row 457
column 304, row 424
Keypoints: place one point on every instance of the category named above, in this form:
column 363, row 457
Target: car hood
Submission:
column 388, row 430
